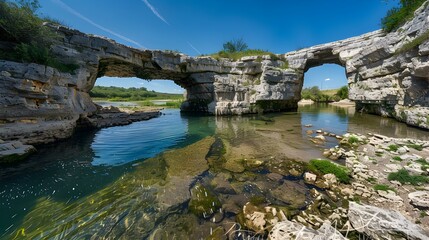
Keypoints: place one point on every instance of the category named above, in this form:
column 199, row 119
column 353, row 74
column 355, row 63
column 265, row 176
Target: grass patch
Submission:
column 383, row 187
column 372, row 180
column 414, row 43
column 130, row 94
column 397, row 158
column 393, row 148
column 235, row 56
column 325, row 167
column 404, row 177
column 285, row 65
column 353, row 140
column 424, row 163
column 415, row 146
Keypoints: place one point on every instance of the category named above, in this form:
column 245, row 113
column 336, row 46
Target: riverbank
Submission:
column 387, row 196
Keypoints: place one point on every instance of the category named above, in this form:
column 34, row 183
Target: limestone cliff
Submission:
column 39, row 103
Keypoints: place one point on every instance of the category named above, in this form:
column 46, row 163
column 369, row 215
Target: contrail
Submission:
column 195, row 49
column 153, row 9
column 74, row 12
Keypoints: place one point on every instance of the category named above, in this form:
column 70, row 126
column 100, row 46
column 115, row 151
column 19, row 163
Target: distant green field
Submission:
column 330, row 92
column 130, row 94
column 330, row 95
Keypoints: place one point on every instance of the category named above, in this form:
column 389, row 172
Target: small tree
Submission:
column 235, row 45
column 343, row 92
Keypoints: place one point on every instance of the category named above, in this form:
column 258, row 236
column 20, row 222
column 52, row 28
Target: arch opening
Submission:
column 132, row 91
column 325, row 83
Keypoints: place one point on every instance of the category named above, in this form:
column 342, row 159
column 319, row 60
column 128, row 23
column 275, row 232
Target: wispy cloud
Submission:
column 153, row 9
column 328, row 79
column 77, row 14
column 195, row 49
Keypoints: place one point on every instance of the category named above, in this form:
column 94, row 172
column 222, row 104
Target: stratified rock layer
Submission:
column 382, row 79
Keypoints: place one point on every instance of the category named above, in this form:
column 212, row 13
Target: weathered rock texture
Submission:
column 381, row 80
column 380, row 223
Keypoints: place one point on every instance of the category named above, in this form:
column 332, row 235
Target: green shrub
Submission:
column 20, row 25
column 397, row 16
column 397, row 158
column 315, row 94
column 343, row 92
column 393, row 148
column 326, row 166
column 353, row 139
column 383, row 187
column 404, row 177
column 235, row 45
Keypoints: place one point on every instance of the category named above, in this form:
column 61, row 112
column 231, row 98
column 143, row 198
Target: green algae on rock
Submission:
column 204, row 202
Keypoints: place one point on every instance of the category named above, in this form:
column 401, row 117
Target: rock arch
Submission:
column 382, row 78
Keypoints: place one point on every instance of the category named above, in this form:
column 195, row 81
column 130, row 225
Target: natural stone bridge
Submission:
column 380, row 79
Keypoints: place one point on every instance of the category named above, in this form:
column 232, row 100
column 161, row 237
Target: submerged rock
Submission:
column 14, row 151
column 292, row 193
column 260, row 218
column 204, row 202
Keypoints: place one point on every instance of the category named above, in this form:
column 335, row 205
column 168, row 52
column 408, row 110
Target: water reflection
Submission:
column 90, row 162
column 87, row 162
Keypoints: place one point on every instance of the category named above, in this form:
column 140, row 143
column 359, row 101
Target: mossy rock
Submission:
column 204, row 203
column 288, row 167
column 253, row 164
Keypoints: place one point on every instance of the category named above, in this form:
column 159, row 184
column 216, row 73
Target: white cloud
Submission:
column 74, row 12
column 328, row 79
column 195, row 49
column 153, row 9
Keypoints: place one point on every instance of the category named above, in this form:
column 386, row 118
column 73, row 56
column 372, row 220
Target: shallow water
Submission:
column 120, row 181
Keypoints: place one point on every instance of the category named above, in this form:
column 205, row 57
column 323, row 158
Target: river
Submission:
column 133, row 181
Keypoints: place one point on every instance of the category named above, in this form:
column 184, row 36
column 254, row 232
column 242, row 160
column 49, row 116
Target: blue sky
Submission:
column 196, row 26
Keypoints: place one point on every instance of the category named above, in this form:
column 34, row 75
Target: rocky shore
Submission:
column 386, row 198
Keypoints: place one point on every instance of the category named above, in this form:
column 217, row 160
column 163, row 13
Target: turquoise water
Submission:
column 88, row 162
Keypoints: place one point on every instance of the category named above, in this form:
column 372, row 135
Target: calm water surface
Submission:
column 110, row 167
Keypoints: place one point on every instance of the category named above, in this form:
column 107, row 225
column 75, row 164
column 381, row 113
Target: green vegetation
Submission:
column 235, row 56
column 353, row 139
column 415, row 146
column 397, row 158
column 343, row 92
column 326, row 166
column 237, row 48
column 235, row 45
column 130, row 94
column 383, row 187
column 397, row 16
column 393, row 148
column 424, row 163
column 317, row 95
column 404, row 177
column 414, row 43
column 29, row 38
